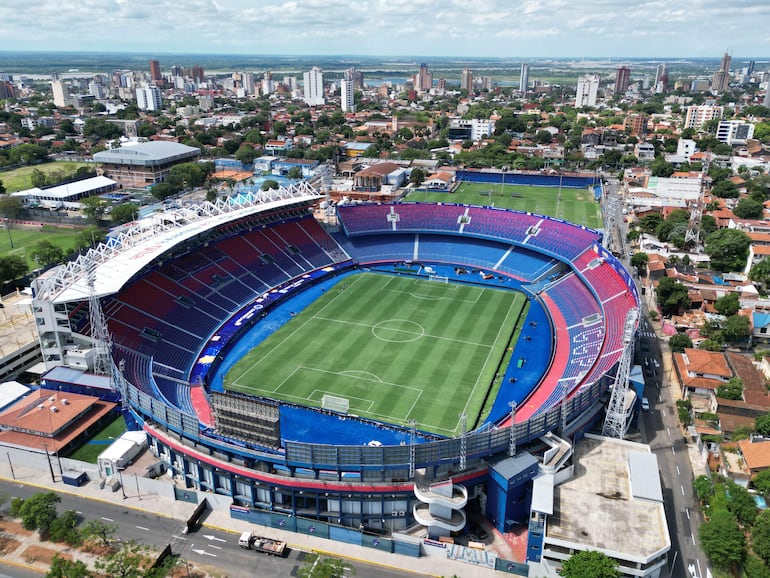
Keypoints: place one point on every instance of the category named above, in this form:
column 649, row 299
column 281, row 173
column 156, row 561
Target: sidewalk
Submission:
column 221, row 520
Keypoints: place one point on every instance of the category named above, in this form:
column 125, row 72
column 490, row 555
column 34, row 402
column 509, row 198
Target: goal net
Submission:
column 439, row 278
column 334, row 403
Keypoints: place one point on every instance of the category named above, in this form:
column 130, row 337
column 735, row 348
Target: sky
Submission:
column 470, row 28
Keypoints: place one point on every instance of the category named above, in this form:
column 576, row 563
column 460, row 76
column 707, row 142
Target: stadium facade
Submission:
column 180, row 290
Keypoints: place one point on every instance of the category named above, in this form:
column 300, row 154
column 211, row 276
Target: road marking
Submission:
column 687, row 511
column 213, row 546
column 678, row 473
column 663, row 411
column 700, row 572
column 681, row 487
column 211, row 537
column 668, row 431
column 673, row 451
column 660, row 399
column 107, row 519
column 178, row 537
column 692, row 538
column 142, row 528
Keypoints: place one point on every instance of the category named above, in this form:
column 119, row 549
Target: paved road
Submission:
column 662, row 432
column 207, row 546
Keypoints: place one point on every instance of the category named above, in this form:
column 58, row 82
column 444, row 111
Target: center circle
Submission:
column 398, row 330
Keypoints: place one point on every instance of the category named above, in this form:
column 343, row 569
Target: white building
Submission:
column 348, row 96
column 734, row 132
column 61, row 93
column 149, row 98
column 685, row 148
column 587, row 90
column 698, row 115
column 479, row 127
column 314, row 87
column 524, row 79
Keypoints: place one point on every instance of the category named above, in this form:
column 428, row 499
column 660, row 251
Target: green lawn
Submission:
column 24, row 240
column 21, row 178
column 90, row 451
column 398, row 348
column 573, row 205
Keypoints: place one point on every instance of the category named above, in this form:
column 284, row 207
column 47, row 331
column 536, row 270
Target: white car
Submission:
column 645, row 404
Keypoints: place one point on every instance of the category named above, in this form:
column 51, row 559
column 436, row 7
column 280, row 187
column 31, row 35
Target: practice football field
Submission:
column 397, row 348
column 576, row 205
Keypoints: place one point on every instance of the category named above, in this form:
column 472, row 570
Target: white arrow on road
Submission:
column 210, row 537
column 203, row 553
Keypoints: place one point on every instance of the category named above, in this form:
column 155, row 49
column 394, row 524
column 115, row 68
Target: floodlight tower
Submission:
column 100, row 335
column 615, row 423
column 692, row 236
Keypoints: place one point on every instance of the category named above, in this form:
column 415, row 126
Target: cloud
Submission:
column 505, row 28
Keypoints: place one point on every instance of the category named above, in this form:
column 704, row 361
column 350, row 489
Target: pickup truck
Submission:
column 250, row 541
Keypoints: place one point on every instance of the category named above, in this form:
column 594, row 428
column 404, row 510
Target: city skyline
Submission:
column 490, row 28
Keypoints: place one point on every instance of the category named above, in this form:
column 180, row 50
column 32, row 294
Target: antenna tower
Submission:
column 100, row 335
column 615, row 425
column 692, row 236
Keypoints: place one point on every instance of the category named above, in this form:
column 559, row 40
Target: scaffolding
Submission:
column 615, row 424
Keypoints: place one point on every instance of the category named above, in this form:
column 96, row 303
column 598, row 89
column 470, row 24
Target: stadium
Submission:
column 383, row 371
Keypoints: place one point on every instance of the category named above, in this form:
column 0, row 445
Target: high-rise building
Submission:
column 197, row 74
column 149, row 98
column 348, row 95
column 356, row 76
column 622, row 79
column 155, row 74
column 61, row 92
column 587, row 90
column 423, row 80
column 698, row 115
column 466, row 80
column 314, row 87
column 661, row 79
column 524, row 79
column 734, row 132
column 97, row 90
column 767, row 94
column 721, row 80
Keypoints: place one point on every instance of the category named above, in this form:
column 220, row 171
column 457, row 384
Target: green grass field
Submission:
column 21, row 178
column 24, row 240
column 398, row 348
column 573, row 205
column 89, row 452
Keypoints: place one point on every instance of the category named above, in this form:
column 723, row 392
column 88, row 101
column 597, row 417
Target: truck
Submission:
column 250, row 541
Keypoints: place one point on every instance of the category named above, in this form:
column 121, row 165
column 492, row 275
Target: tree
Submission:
column 748, row 209
column 733, row 389
column 640, row 260
column 38, row 178
column 725, row 189
column 90, row 237
column 46, row 253
column 756, row 568
column 741, row 503
column 129, row 561
column 661, row 168
column 727, row 249
column 673, row 297
column 64, row 568
column 762, row 482
column 728, row 305
column 736, row 329
column 722, row 539
column 65, row 529
column 2, row 188
column 12, row 267
column 760, row 536
column 417, row 176
column 124, row 213
column 98, row 529
column 10, row 207
column 94, row 208
column 323, row 567
column 760, row 274
column 269, row 184
column 294, row 173
column 26, row 154
column 704, row 489
column 39, row 511
column 762, row 424
column 589, row 564
column 246, row 154
column 679, row 342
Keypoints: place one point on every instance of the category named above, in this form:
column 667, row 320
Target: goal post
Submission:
column 335, row 403
column 439, row 278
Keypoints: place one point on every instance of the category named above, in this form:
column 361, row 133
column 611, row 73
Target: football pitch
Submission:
column 576, row 205
column 397, row 348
